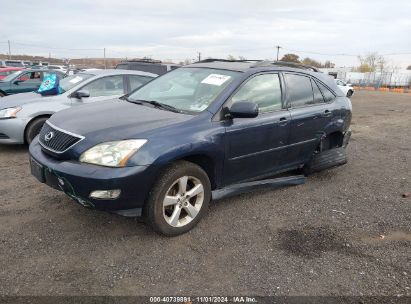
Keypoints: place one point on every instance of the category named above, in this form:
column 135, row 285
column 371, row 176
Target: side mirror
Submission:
column 81, row 94
column 243, row 109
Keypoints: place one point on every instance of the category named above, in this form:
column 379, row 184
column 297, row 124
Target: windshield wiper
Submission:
column 156, row 104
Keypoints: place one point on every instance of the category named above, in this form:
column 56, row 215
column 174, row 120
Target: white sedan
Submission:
column 345, row 87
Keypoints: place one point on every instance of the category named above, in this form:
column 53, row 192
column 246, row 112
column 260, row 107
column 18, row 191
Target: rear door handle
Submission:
column 327, row 113
column 283, row 121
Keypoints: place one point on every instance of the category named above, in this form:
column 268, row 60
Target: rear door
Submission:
column 257, row 146
column 310, row 114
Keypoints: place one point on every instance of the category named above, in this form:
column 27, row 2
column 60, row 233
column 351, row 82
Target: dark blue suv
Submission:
column 163, row 150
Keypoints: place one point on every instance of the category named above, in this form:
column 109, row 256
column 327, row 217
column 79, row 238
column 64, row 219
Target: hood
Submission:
column 114, row 120
column 21, row 99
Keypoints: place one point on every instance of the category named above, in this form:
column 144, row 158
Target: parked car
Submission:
column 12, row 63
column 24, row 81
column 147, row 65
column 347, row 88
column 60, row 68
column 23, row 115
column 162, row 151
column 4, row 72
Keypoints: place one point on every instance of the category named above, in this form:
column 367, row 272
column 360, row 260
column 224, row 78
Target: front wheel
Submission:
column 2, row 94
column 34, row 129
column 179, row 199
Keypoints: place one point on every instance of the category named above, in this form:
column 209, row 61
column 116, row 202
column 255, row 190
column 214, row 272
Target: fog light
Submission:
column 105, row 194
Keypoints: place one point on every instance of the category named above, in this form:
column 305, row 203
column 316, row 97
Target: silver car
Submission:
column 23, row 115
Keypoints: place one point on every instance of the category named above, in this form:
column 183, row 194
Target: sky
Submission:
column 179, row 29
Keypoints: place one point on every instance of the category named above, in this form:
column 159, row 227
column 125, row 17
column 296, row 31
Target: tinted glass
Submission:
column 299, row 90
column 318, row 97
column 187, row 89
column 263, row 90
column 137, row 81
column 107, row 86
column 328, row 95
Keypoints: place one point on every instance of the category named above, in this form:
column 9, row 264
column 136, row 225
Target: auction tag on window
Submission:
column 215, row 79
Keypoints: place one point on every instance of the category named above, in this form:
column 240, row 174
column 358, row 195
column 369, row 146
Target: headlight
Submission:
column 112, row 154
column 9, row 112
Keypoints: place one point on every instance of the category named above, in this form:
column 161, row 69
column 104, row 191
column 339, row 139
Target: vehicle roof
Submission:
column 108, row 72
column 260, row 65
column 11, row 69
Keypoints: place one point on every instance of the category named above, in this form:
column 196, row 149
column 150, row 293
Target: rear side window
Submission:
column 318, row 97
column 300, row 92
column 263, row 90
column 328, row 95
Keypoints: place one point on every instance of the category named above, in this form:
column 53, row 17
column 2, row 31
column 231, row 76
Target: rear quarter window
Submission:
column 328, row 95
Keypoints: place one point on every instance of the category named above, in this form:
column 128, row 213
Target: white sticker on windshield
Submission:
column 76, row 79
column 198, row 108
column 215, row 79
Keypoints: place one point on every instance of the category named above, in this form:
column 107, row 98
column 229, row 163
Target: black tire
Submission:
column 325, row 160
column 34, row 128
column 155, row 212
column 349, row 93
column 2, row 94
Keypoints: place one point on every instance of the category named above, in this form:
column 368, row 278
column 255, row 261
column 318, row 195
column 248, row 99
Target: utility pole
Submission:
column 278, row 51
column 199, row 56
column 105, row 63
column 8, row 41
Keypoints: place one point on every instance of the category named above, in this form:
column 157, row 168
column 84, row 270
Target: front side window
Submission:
column 186, row 89
column 263, row 90
column 31, row 76
column 70, row 82
column 300, row 92
column 106, row 86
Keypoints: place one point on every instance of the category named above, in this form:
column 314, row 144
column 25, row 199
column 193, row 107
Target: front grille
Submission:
column 57, row 140
column 3, row 136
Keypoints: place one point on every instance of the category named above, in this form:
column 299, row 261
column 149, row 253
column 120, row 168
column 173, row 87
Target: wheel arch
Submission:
column 31, row 121
column 206, row 163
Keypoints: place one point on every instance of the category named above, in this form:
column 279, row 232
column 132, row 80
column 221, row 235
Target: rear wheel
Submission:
column 2, row 94
column 34, row 129
column 349, row 93
column 179, row 199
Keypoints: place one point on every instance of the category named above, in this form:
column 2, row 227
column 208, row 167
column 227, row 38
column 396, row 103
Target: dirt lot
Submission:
column 346, row 231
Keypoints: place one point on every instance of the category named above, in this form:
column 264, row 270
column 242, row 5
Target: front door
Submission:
column 104, row 88
column 256, row 146
column 26, row 82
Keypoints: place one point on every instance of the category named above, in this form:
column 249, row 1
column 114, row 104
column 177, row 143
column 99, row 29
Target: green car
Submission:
column 24, row 81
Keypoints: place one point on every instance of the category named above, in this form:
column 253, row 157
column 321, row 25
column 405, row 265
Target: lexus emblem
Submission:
column 49, row 136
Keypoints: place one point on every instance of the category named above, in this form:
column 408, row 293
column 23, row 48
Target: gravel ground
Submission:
column 346, row 231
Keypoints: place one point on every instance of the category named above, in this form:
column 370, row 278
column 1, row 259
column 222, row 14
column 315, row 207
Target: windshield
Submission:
column 13, row 75
column 73, row 80
column 186, row 89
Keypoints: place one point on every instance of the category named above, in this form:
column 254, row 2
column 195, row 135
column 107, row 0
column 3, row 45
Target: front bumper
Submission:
column 12, row 131
column 78, row 180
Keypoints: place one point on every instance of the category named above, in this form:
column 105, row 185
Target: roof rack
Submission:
column 287, row 64
column 145, row 60
column 227, row 60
